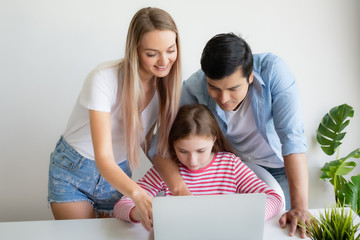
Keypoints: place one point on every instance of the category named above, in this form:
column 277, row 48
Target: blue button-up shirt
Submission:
column 275, row 103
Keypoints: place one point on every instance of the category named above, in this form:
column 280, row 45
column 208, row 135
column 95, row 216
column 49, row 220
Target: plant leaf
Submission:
column 345, row 168
column 350, row 194
column 341, row 112
column 335, row 223
column 329, row 133
column 339, row 167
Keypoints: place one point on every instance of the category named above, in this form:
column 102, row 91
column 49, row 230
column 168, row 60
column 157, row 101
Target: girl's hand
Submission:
column 143, row 209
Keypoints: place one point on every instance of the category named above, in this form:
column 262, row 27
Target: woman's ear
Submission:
column 214, row 139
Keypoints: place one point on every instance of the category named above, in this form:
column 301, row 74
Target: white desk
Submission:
column 110, row 228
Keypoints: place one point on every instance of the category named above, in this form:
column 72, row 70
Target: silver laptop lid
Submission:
column 232, row 216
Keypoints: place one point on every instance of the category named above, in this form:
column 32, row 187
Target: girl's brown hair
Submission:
column 197, row 119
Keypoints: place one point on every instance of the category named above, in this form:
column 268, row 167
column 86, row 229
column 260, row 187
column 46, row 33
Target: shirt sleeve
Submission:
column 99, row 90
column 123, row 208
column 194, row 89
column 286, row 107
column 151, row 183
column 248, row 182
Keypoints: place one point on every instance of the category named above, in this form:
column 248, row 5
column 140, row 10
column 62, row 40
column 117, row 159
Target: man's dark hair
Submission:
column 224, row 54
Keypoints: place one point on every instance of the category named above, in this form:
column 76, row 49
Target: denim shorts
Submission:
column 74, row 178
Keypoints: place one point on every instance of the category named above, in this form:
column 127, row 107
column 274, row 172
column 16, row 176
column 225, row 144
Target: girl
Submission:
column 206, row 164
column 120, row 104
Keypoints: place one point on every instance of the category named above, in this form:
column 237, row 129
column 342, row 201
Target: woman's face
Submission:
column 194, row 151
column 157, row 53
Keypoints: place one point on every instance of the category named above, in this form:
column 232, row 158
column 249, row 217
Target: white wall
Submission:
column 47, row 47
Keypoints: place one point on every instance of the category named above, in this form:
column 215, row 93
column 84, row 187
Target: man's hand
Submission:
column 295, row 216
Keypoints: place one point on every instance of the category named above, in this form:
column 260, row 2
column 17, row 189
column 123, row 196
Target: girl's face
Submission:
column 195, row 151
column 157, row 53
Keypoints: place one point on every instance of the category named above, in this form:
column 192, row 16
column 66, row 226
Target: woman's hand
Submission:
column 143, row 209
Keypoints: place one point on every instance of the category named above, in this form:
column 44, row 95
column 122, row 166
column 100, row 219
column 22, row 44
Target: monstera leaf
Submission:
column 329, row 133
column 339, row 167
column 336, row 169
column 350, row 194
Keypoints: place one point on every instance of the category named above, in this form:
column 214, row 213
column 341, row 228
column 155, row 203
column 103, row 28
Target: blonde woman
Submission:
column 120, row 104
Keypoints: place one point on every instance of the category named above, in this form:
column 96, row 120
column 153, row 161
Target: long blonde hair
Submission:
column 132, row 94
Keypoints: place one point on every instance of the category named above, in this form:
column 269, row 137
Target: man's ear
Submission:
column 251, row 77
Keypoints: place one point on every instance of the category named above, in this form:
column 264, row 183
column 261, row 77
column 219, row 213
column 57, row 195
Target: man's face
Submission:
column 230, row 91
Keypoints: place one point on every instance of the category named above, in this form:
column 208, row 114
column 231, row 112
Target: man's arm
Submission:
column 288, row 122
column 169, row 172
column 297, row 173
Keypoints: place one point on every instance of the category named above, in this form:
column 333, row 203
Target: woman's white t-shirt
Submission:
column 101, row 92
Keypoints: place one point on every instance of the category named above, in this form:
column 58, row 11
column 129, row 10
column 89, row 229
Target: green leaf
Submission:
column 345, row 168
column 327, row 121
column 341, row 112
column 344, row 125
column 350, row 193
column 325, row 171
column 335, row 223
column 340, row 180
column 329, row 150
column 329, row 133
column 340, row 167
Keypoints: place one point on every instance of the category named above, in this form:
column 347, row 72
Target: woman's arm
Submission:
column 100, row 124
column 125, row 208
column 169, row 172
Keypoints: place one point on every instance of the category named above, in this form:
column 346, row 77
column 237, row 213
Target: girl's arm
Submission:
column 248, row 182
column 100, row 124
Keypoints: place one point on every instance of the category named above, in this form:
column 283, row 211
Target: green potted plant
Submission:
column 330, row 134
column 335, row 223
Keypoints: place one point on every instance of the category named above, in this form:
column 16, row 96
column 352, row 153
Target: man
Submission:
column 256, row 102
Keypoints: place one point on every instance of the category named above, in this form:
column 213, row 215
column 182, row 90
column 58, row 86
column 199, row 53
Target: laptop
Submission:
column 231, row 216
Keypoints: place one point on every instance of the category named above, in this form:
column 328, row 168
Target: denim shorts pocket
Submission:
column 66, row 159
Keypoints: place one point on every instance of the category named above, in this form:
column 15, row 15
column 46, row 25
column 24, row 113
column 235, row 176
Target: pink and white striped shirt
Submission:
column 225, row 174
